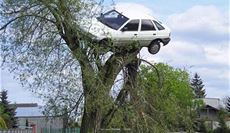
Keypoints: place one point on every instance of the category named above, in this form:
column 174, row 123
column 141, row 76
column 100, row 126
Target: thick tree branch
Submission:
column 129, row 87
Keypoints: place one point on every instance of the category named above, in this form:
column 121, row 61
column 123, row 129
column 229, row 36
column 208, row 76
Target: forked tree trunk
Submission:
column 93, row 119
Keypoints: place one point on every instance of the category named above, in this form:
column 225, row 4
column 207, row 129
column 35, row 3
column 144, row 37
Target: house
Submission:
column 30, row 115
column 209, row 112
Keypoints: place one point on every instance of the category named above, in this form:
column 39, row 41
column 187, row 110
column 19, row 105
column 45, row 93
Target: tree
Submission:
column 2, row 123
column 2, row 116
column 164, row 104
column 8, row 110
column 41, row 41
column 197, row 86
column 227, row 103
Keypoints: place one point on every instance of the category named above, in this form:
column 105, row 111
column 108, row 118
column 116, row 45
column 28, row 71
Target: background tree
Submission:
column 8, row 110
column 163, row 104
column 199, row 91
column 198, row 87
column 2, row 116
column 2, row 123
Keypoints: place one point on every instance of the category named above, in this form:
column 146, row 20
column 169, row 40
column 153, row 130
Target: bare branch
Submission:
column 28, row 15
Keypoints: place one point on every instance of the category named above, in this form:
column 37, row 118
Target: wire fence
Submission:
column 67, row 130
column 77, row 130
column 16, row 131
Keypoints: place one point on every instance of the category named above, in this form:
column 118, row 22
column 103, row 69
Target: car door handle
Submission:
column 135, row 34
column 154, row 34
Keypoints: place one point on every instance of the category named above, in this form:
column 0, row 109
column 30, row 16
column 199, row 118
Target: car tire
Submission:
column 154, row 47
column 104, row 46
column 103, row 43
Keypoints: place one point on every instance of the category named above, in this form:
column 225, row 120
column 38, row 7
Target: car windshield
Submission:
column 113, row 19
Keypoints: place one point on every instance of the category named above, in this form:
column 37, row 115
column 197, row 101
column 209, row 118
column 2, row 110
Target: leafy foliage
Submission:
column 2, row 123
column 2, row 116
column 32, row 46
column 168, row 107
column 7, row 112
column 197, row 86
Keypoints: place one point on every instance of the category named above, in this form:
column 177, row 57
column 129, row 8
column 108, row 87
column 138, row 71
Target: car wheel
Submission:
column 104, row 46
column 154, row 47
column 103, row 43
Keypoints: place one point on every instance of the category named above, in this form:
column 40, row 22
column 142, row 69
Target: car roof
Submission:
column 134, row 14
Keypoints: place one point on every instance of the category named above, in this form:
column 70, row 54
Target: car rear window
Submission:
column 147, row 25
column 159, row 26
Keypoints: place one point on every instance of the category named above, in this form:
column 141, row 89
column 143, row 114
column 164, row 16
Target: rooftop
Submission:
column 28, row 110
column 25, row 105
column 212, row 102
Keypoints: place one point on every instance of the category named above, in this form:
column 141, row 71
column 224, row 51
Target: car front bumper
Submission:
column 166, row 41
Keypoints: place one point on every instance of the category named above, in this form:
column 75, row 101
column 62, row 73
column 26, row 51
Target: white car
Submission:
column 122, row 27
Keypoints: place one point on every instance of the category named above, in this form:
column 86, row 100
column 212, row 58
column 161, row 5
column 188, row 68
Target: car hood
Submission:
column 96, row 29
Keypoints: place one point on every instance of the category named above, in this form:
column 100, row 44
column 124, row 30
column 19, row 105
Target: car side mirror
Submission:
column 124, row 29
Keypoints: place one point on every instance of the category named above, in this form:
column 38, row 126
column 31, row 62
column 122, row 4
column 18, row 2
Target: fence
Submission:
column 77, row 130
column 67, row 130
column 16, row 131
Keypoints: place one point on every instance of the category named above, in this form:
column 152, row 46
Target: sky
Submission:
column 200, row 43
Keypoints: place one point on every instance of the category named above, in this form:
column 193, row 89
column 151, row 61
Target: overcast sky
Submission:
column 200, row 43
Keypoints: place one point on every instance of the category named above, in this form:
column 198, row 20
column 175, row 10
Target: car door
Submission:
column 129, row 32
column 147, row 32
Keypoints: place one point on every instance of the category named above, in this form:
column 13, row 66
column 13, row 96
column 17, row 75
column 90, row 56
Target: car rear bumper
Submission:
column 166, row 41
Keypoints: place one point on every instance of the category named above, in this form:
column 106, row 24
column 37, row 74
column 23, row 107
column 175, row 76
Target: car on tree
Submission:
column 119, row 28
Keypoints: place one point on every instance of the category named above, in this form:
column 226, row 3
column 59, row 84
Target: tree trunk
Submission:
column 91, row 121
column 97, row 113
column 87, row 125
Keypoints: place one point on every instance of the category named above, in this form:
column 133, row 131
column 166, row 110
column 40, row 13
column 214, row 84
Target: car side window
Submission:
column 159, row 26
column 147, row 25
column 131, row 26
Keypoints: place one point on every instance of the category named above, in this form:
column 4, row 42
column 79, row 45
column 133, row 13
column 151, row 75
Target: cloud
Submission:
column 217, row 55
column 201, row 23
column 178, row 53
column 134, row 7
